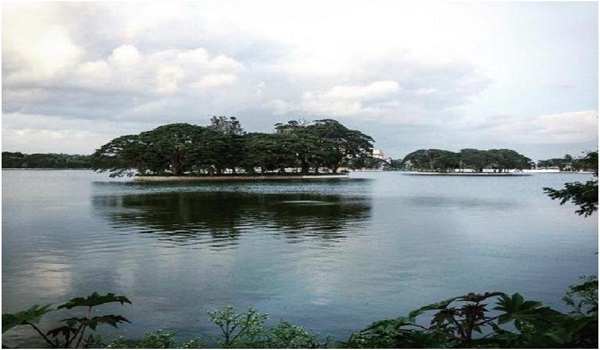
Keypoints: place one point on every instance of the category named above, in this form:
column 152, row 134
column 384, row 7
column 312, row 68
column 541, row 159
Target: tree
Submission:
column 230, row 142
column 267, row 152
column 169, row 149
column 301, row 143
column 506, row 159
column 338, row 144
column 45, row 160
column 432, row 160
column 474, row 159
column 227, row 126
column 177, row 149
column 120, row 156
column 171, row 144
column 584, row 195
column 396, row 164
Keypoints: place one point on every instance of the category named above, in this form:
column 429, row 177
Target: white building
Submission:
column 377, row 153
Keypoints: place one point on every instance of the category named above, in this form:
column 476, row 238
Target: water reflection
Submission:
column 219, row 219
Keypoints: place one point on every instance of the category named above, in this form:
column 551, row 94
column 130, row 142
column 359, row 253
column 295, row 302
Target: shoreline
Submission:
column 426, row 173
column 236, row 178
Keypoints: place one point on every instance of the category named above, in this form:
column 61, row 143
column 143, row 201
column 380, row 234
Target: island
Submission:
column 182, row 151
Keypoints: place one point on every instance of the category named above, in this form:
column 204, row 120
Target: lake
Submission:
column 332, row 256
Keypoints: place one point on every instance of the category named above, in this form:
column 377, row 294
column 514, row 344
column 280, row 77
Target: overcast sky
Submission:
column 411, row 74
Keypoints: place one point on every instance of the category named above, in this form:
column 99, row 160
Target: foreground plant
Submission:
column 248, row 330
column 155, row 340
column 468, row 322
column 489, row 320
column 72, row 331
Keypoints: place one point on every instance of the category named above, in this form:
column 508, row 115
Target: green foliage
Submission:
column 32, row 315
column 45, row 160
column 71, row 332
column 500, row 160
column 223, row 146
column 237, row 328
column 337, row 144
column 154, row 340
column 583, row 297
column 467, row 321
column 584, row 195
column 95, row 299
column 588, row 162
column 248, row 330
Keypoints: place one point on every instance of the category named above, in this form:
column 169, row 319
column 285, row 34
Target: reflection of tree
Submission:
column 317, row 215
column 220, row 217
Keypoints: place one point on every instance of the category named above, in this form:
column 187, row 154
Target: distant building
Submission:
column 383, row 163
column 377, row 153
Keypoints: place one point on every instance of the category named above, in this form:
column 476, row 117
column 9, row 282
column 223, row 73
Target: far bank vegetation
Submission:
column 467, row 160
column 224, row 147
column 494, row 160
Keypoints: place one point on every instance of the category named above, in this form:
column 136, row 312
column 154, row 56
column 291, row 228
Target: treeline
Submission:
column 500, row 160
column 45, row 160
column 569, row 163
column 224, row 147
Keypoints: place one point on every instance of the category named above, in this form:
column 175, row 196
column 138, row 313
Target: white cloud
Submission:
column 59, row 134
column 343, row 100
column 127, row 69
column 168, row 79
column 215, row 80
column 47, row 55
column 564, row 128
column 125, row 56
column 394, row 65
column 373, row 90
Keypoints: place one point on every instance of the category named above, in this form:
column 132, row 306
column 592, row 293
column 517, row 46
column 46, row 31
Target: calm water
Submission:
column 331, row 256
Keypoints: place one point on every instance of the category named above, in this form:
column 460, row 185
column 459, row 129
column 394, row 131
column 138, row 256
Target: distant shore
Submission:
column 237, row 178
column 466, row 174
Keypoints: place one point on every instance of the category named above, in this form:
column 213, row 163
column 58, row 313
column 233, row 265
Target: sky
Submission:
column 410, row 74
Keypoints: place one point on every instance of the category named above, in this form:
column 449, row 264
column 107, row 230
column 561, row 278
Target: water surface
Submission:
column 332, row 256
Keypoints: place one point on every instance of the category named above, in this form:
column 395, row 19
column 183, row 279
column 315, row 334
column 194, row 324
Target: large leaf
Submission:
column 445, row 316
column 389, row 327
column 93, row 322
column 477, row 298
column 66, row 332
column 435, row 306
column 515, row 307
column 32, row 315
column 94, row 299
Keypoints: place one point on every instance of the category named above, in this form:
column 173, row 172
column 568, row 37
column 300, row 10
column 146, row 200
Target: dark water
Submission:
column 332, row 256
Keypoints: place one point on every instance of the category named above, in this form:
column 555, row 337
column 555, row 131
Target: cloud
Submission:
column 375, row 90
column 48, row 50
column 420, row 92
column 162, row 72
column 340, row 100
column 392, row 67
column 119, row 85
column 215, row 80
column 563, row 128
column 60, row 135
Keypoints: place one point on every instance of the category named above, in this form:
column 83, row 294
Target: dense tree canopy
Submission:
column 224, row 146
column 45, row 160
column 569, row 163
column 500, row 160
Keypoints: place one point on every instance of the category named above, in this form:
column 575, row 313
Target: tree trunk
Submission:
column 305, row 167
